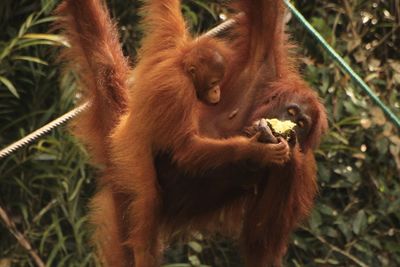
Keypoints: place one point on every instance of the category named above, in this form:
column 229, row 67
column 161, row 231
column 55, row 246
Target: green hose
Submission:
column 344, row 66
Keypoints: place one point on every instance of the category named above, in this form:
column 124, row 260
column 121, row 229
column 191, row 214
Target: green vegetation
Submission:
column 45, row 187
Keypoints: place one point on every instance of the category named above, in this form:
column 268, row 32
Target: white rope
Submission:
column 73, row 113
column 41, row 131
column 227, row 24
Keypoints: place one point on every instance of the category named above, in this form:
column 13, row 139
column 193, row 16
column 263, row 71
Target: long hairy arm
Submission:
column 255, row 29
column 96, row 57
column 165, row 27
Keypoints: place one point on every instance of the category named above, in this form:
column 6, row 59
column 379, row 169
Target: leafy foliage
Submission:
column 356, row 219
column 356, row 222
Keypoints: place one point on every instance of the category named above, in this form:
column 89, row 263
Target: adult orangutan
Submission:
column 241, row 196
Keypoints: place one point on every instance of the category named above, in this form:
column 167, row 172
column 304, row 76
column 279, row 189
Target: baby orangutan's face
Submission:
column 207, row 76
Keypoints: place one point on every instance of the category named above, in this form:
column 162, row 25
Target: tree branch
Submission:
column 20, row 237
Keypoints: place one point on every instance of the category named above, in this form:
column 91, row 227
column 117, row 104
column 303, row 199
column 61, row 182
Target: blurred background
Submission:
column 45, row 187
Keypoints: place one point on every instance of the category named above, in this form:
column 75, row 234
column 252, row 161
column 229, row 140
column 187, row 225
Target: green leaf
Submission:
column 360, row 222
column 206, row 7
column 30, row 59
column 338, row 137
column 49, row 37
column 45, row 20
column 195, row 246
column 9, row 86
column 190, row 15
column 315, row 220
column 44, row 36
column 374, row 242
column 394, row 206
column 327, row 210
column 6, row 51
column 26, row 25
column 330, row 231
column 345, row 228
column 28, row 43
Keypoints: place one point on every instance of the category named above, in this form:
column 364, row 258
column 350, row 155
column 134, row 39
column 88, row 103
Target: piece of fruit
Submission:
column 284, row 129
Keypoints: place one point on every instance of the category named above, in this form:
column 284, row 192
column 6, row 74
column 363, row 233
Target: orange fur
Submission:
column 162, row 117
column 97, row 57
column 200, row 167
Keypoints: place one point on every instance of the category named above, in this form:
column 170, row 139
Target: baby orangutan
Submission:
column 207, row 66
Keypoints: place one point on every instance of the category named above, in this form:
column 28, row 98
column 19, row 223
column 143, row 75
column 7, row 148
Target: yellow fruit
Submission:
column 281, row 128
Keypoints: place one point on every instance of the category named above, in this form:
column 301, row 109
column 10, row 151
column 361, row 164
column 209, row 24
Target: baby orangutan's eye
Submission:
column 214, row 83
